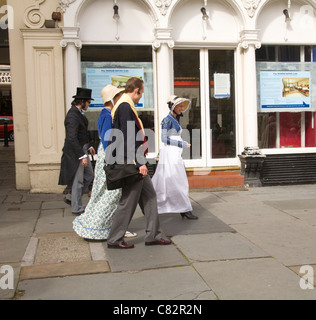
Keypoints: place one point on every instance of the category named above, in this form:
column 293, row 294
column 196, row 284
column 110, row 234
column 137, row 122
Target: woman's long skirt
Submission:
column 170, row 181
column 96, row 221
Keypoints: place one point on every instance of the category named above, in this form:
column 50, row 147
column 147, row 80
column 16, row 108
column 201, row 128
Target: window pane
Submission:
column 187, row 85
column 222, row 111
column 267, row 130
column 310, row 131
column 122, row 57
column 290, row 129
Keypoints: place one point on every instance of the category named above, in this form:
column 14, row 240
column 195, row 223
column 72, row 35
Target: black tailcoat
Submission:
column 76, row 125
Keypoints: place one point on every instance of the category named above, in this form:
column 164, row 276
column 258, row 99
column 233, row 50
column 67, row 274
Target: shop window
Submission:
column 103, row 65
column 285, row 76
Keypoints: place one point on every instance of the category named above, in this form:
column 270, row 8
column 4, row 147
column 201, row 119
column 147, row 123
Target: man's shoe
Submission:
column 160, row 242
column 67, row 201
column 122, row 245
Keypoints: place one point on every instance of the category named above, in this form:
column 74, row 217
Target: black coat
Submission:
column 76, row 125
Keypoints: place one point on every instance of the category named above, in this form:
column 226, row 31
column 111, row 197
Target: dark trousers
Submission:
column 142, row 193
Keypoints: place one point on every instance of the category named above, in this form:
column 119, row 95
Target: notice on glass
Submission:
column 221, row 85
column 98, row 78
column 285, row 91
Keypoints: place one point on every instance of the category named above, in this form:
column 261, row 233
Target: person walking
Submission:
column 170, row 179
column 95, row 223
column 76, row 169
column 132, row 137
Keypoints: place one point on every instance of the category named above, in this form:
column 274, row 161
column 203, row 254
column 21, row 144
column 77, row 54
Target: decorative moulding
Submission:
column 64, row 4
column 163, row 6
column 33, row 18
column 251, row 6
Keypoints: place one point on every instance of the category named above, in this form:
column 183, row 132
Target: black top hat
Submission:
column 83, row 93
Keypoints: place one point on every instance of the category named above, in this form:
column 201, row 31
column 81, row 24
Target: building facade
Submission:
column 246, row 65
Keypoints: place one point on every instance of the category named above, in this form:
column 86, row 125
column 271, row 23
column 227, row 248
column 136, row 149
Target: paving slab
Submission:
column 291, row 204
column 181, row 283
column 252, row 279
column 55, row 222
column 290, row 242
column 143, row 257
column 217, row 246
column 13, row 248
column 306, row 215
column 173, row 224
column 255, row 212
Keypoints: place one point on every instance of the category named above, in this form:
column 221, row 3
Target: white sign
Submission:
column 221, row 85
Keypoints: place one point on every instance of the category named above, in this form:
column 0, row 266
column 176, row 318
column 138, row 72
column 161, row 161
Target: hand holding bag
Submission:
column 121, row 175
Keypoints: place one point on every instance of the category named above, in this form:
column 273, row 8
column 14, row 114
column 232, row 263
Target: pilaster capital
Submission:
column 163, row 36
column 249, row 38
column 71, row 36
column 76, row 42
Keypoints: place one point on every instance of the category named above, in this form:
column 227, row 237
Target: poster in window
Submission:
column 98, row 78
column 285, row 91
column 221, row 85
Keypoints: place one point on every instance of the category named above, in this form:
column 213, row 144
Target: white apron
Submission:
column 170, row 181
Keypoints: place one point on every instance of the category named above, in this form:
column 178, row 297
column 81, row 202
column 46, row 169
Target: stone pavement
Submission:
column 247, row 244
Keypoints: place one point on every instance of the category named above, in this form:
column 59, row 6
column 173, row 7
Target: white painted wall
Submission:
column 274, row 30
column 95, row 19
column 222, row 25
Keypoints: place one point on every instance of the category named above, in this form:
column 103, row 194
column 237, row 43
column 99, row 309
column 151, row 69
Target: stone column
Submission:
column 249, row 43
column 72, row 45
column 164, row 71
column 251, row 158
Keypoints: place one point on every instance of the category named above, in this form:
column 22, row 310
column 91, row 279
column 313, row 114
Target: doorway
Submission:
column 207, row 78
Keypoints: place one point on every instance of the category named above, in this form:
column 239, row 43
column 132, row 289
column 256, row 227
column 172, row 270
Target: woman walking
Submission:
column 170, row 180
column 95, row 223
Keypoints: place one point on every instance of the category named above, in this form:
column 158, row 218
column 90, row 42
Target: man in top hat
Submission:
column 76, row 169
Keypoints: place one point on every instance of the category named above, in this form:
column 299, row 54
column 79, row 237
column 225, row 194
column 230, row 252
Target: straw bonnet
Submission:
column 109, row 92
column 174, row 100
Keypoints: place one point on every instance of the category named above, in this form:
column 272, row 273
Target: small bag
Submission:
column 121, row 175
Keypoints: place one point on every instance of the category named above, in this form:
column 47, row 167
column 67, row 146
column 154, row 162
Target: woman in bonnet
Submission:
column 96, row 221
column 170, row 180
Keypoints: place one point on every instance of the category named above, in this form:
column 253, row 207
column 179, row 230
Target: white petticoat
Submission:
column 170, row 181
